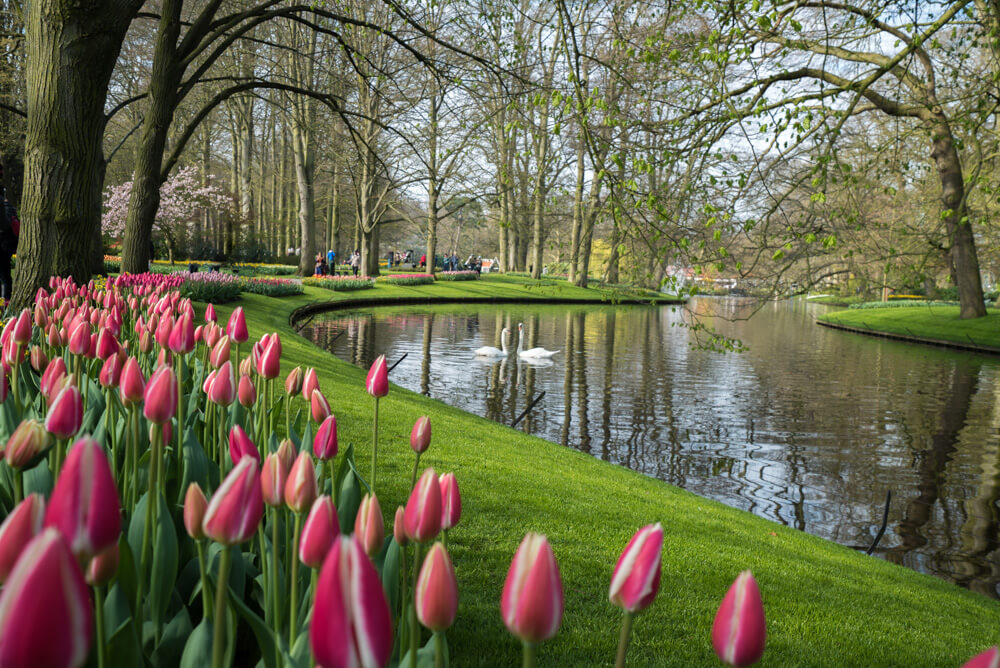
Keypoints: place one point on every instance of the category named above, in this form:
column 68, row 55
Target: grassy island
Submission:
column 933, row 324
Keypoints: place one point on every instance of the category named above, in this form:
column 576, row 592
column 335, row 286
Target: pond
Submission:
column 809, row 427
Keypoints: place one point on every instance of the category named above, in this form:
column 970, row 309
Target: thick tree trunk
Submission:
column 71, row 51
column 574, row 238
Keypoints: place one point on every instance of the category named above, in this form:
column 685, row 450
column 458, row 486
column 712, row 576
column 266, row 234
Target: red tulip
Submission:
column 300, row 488
column 532, row 603
column 39, row 360
column 318, row 533
column 164, row 329
column 181, row 339
column 325, row 441
column 246, row 392
column 436, row 596
column 422, row 520
column 161, row 395
column 451, row 501
column 206, row 386
column 237, row 326
column 133, row 383
column 269, row 363
column 84, row 505
column 195, row 505
column 210, row 314
column 22, row 525
column 53, row 372
column 111, row 371
column 103, row 567
column 79, row 338
column 199, row 334
column 41, row 315
column 377, row 383
column 988, row 659
column 164, row 358
column 636, row 578
column 310, row 382
column 220, row 352
column 107, row 344
column 241, row 446
column 27, row 442
column 739, row 630
column 66, row 413
column 237, row 505
column 351, row 624
column 45, row 608
column 319, row 406
column 399, row 527
column 273, row 474
column 369, row 528
column 223, row 389
column 293, row 381
column 420, row 436
column 22, row 328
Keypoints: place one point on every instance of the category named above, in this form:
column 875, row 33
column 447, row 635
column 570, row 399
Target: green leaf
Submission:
column 173, row 640
column 263, row 634
column 123, row 646
column 198, row 649
column 165, row 555
column 38, row 480
column 390, row 573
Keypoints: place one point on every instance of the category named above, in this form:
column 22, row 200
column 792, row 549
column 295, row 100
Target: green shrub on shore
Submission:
column 339, row 283
column 407, row 279
column 271, row 287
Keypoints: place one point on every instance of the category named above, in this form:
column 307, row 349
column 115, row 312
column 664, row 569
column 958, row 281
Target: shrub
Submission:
column 408, row 279
column 265, row 269
column 339, row 283
column 457, row 276
column 214, row 287
column 271, row 287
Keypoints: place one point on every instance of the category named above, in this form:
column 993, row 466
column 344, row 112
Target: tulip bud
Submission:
column 220, row 352
column 195, row 505
column 199, row 334
column 223, row 389
column 310, row 382
column 237, row 505
column 107, row 344
column 79, row 338
column 66, row 413
column 41, row 316
column 164, row 358
column 22, row 328
column 318, row 533
column 103, row 567
column 451, row 501
column 212, row 335
column 420, row 436
column 293, row 382
column 247, row 392
column 210, row 314
column 377, row 383
column 45, row 608
column 146, row 342
column 23, row 524
column 206, row 386
column 399, row 527
column 53, row 372
column 161, row 395
column 739, row 631
column 988, row 659
column 636, row 578
column 247, row 367
column 182, row 335
column 422, row 519
column 436, row 595
column 288, row 453
column 272, row 480
column 84, row 505
column 319, row 406
column 325, row 441
column 241, row 446
column 300, row 488
column 111, row 372
column 27, row 442
column 164, row 329
column 351, row 623
column 369, row 527
column 532, row 603
column 166, row 432
column 236, row 328
column 39, row 360
column 269, row 364
column 132, row 383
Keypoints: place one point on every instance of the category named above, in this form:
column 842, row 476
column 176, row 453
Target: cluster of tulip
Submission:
column 94, row 559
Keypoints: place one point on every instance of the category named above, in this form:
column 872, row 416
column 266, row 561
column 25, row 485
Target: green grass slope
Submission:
column 826, row 605
column 930, row 322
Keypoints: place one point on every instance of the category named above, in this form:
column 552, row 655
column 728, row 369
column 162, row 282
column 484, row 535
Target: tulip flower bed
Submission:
column 339, row 283
column 407, row 279
column 270, row 287
column 457, row 276
column 210, row 286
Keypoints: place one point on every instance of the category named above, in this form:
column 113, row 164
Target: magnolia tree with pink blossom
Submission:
column 182, row 199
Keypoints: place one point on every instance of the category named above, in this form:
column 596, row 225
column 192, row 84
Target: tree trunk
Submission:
column 432, row 175
column 574, row 238
column 72, row 48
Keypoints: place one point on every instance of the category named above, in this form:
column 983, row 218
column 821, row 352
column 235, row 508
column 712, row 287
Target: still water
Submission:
column 809, row 427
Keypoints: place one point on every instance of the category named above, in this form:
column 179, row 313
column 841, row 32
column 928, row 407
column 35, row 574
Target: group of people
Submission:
column 326, row 265
column 397, row 259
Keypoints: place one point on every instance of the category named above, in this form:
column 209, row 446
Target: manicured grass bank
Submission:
column 936, row 323
column 826, row 605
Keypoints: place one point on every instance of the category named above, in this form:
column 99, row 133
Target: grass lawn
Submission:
column 826, row 605
column 931, row 322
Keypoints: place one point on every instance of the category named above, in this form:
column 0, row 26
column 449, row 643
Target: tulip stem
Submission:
column 528, row 660
column 101, row 648
column 413, row 478
column 13, row 379
column 623, row 640
column 293, row 567
column 179, row 361
column 18, row 486
column 288, row 416
column 135, row 455
column 206, row 591
column 438, row 649
column 221, row 590
column 275, row 582
column 414, row 630
column 374, row 445
column 152, row 501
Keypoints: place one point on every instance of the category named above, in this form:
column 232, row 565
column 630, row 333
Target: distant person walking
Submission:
column 355, row 261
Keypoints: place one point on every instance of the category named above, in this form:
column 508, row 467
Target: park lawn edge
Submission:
column 826, row 604
column 939, row 325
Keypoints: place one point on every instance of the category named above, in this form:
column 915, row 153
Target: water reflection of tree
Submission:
column 425, row 362
column 567, row 381
column 578, row 352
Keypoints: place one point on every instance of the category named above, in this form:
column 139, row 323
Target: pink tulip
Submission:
column 293, row 381
column 241, row 446
column 236, row 508
column 212, row 335
column 246, row 392
column 310, row 382
column 146, row 342
column 300, row 488
column 182, row 335
column 369, row 528
column 164, row 358
column 399, row 527
column 636, row 578
column 739, row 630
column 451, row 501
column 107, row 344
column 41, row 316
column 220, row 352
column 351, row 624
column 237, row 326
column 195, row 505
column 20, row 527
column 269, row 363
column 164, row 329
column 199, row 334
column 206, row 386
column 223, row 389
column 319, row 406
column 422, row 519
column 22, row 328
column 103, row 567
column 133, row 383
column 318, row 533
column 111, row 372
column 532, row 603
column 988, row 659
column 45, row 608
column 52, row 373
column 210, row 314
column 161, row 395
column 273, row 474
column 436, row 596
column 377, row 383
column 247, row 367
column 66, row 413
column 39, row 360
column 420, row 436
column 84, row 505
column 325, row 441
column 287, row 452
column 27, row 442
column 79, row 338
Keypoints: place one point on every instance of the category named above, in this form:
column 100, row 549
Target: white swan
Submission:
column 533, row 353
column 490, row 351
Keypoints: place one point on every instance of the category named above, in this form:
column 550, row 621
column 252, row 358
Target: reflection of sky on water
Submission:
column 809, row 428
